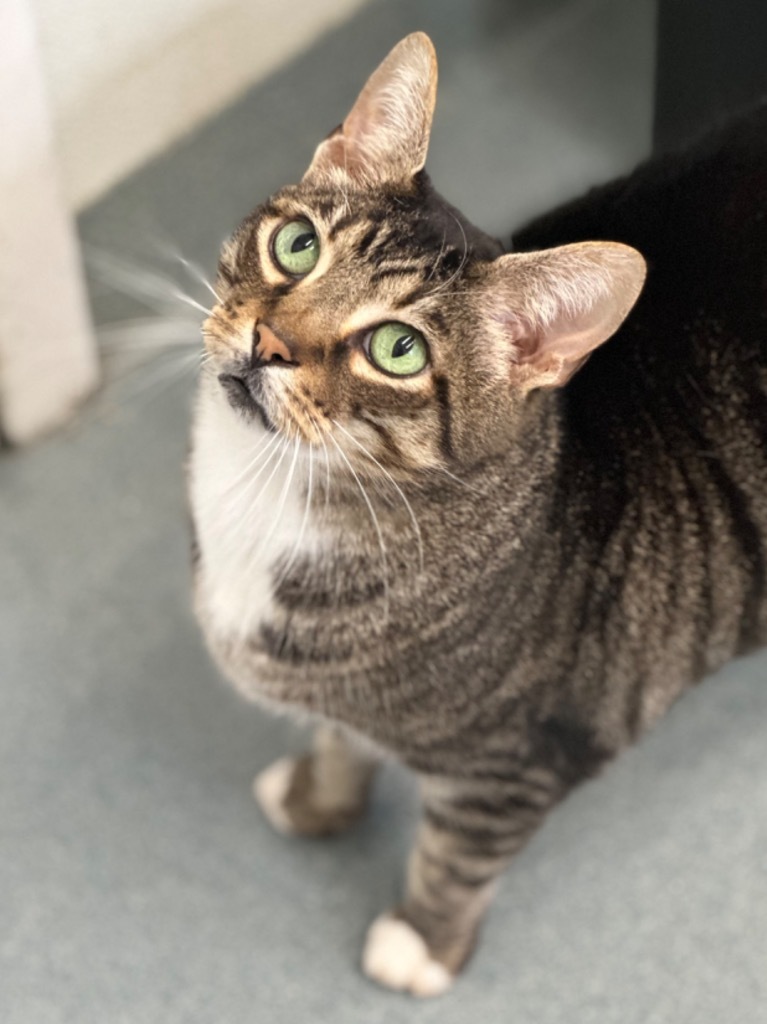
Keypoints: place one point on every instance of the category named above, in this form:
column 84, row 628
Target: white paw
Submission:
column 395, row 955
column 270, row 788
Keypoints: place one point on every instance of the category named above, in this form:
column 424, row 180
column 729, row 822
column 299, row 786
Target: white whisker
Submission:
column 440, row 254
column 282, row 448
column 123, row 276
column 321, row 436
column 261, row 449
column 441, row 469
column 376, row 524
column 461, row 265
column 183, row 297
column 148, row 286
column 250, row 505
column 304, row 520
column 394, row 484
column 198, row 274
column 165, row 375
column 244, row 497
column 148, row 333
column 327, row 473
column 277, row 517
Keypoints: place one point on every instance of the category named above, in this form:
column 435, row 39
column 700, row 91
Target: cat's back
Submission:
column 698, row 216
column 665, row 427
column 696, row 342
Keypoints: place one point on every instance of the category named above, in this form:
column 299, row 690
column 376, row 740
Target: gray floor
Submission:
column 139, row 882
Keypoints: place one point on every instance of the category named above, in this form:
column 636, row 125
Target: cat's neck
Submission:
column 501, row 502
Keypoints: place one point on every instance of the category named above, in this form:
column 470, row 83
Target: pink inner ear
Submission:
column 336, row 152
column 570, row 344
column 551, row 354
column 550, row 309
column 520, row 334
column 362, row 144
column 385, row 136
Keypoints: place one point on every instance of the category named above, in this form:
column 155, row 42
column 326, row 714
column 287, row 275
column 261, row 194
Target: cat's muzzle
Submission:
column 245, row 393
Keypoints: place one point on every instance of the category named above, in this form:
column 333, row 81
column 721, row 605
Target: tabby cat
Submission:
column 416, row 523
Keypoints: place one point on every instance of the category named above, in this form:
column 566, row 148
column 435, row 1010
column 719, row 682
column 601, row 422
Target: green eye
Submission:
column 398, row 349
column 296, row 248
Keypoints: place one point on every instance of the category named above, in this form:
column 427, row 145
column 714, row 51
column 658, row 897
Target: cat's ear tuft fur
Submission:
column 547, row 311
column 385, row 136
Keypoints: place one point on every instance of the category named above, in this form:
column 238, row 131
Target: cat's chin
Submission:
column 240, row 394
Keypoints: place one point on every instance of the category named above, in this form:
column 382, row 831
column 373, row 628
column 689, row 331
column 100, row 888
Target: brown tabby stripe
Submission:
column 342, row 224
column 442, row 392
column 386, row 435
column 748, row 537
column 226, row 272
column 497, row 835
column 399, row 270
column 457, row 872
column 367, row 240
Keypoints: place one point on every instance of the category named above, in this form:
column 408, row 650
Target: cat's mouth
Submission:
column 244, row 394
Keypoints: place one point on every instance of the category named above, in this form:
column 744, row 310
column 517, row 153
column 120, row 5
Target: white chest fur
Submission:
column 249, row 498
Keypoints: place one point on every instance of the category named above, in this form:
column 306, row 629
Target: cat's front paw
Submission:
column 270, row 788
column 297, row 803
column 396, row 956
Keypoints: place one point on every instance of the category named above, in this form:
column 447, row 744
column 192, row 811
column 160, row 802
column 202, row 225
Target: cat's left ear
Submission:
column 545, row 312
column 385, row 136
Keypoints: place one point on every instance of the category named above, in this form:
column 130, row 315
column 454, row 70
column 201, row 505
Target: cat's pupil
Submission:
column 302, row 242
column 403, row 345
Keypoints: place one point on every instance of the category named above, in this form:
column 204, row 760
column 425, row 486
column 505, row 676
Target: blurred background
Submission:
column 139, row 883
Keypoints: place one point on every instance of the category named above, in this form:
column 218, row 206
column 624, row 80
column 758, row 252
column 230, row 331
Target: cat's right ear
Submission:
column 545, row 312
column 385, row 136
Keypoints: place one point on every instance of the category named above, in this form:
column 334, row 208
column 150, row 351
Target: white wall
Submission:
column 127, row 77
column 48, row 357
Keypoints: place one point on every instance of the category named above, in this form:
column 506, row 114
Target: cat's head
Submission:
column 359, row 309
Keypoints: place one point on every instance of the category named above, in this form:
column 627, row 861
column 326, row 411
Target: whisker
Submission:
column 153, row 289
column 247, row 490
column 146, row 335
column 281, row 449
column 463, row 483
column 435, row 264
column 167, row 374
column 320, row 433
column 183, row 297
column 461, row 265
column 198, row 274
column 261, row 449
column 283, row 497
column 327, row 473
column 376, row 524
column 456, row 478
column 394, row 484
column 124, row 276
column 304, row 520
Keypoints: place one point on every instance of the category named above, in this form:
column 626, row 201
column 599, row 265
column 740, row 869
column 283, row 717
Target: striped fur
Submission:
column 549, row 569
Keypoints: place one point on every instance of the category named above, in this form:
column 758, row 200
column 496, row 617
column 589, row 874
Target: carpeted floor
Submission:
column 139, row 883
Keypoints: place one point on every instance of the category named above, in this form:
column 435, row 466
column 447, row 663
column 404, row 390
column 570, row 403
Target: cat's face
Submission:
column 371, row 334
column 359, row 310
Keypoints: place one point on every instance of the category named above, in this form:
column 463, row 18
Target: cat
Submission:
column 435, row 513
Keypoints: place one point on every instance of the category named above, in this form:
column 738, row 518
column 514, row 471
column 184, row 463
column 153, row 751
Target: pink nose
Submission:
column 268, row 347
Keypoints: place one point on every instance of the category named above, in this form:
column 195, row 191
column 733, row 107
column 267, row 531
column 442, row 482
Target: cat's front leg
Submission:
column 468, row 834
column 321, row 793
